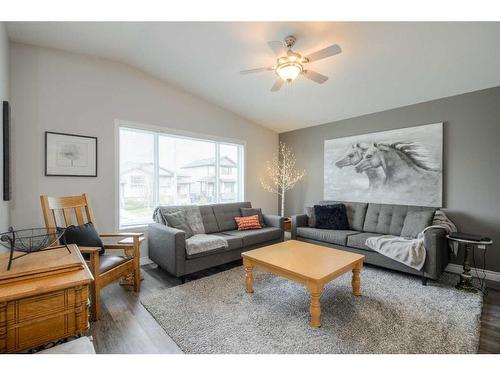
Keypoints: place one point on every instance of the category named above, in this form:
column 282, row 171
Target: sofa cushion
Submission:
column 83, row 235
column 388, row 218
column 108, row 262
column 194, row 219
column 160, row 212
column 192, row 212
column 233, row 242
column 248, row 222
column 255, row 236
column 331, row 217
column 356, row 212
column 226, row 212
column 204, row 243
column 178, row 220
column 206, row 253
column 338, row 237
column 208, row 217
column 415, row 222
column 358, row 240
column 253, row 211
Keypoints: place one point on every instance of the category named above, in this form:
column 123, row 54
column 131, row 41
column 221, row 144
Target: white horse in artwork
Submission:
column 402, row 162
column 376, row 176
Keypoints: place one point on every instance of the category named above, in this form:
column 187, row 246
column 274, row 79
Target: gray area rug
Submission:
column 395, row 314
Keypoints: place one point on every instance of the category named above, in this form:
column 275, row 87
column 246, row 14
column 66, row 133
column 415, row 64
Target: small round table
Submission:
column 465, row 282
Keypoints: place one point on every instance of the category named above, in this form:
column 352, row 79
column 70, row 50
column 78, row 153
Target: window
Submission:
column 137, row 182
column 165, row 169
column 229, row 183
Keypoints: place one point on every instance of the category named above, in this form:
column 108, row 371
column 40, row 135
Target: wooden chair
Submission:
column 105, row 268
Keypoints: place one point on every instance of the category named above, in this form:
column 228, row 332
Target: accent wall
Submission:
column 471, row 154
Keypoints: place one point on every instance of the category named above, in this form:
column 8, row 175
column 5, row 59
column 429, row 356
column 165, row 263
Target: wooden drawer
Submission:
column 39, row 306
column 39, row 332
column 44, row 318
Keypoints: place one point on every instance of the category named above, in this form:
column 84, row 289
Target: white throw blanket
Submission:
column 200, row 243
column 442, row 221
column 410, row 251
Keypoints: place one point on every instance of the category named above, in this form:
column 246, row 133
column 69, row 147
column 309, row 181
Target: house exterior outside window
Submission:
column 158, row 168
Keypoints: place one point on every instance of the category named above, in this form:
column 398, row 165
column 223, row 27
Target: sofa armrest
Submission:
column 437, row 257
column 167, row 248
column 298, row 221
column 274, row 221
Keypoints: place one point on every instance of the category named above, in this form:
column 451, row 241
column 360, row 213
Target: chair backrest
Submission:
column 60, row 211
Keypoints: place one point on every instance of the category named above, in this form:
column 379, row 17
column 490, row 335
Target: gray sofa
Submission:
column 368, row 220
column 167, row 246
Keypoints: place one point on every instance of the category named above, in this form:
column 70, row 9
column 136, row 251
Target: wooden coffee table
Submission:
column 305, row 263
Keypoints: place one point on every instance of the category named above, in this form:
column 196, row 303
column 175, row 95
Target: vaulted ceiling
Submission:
column 382, row 65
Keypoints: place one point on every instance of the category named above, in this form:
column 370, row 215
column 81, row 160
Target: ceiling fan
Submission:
column 290, row 64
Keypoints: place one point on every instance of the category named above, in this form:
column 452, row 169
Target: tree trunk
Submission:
column 283, row 177
column 282, row 213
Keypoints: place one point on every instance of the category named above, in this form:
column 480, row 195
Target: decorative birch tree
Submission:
column 281, row 174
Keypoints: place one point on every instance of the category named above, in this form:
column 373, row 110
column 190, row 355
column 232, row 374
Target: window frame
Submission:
column 175, row 133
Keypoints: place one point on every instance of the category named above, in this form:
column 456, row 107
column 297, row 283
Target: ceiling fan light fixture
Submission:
column 289, row 71
column 290, row 64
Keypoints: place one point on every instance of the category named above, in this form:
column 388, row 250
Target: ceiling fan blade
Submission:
column 278, row 48
column 257, row 70
column 324, row 53
column 314, row 76
column 277, row 84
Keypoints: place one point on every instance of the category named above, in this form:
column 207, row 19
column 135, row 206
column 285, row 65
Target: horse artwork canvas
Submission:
column 402, row 166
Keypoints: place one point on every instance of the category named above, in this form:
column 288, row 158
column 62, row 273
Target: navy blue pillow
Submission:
column 332, row 216
column 83, row 235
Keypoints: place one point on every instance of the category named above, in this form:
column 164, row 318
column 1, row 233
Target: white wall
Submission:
column 4, row 95
column 64, row 92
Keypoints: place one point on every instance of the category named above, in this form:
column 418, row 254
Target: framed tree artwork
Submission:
column 70, row 155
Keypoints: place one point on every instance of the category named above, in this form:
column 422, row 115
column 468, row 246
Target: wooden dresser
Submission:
column 43, row 298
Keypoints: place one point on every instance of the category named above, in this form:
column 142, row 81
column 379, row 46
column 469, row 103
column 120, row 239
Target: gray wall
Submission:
column 471, row 184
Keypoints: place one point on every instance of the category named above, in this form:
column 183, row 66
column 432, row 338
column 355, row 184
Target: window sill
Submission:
column 134, row 228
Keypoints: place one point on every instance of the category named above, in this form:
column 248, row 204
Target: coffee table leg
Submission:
column 356, row 280
column 248, row 277
column 315, row 291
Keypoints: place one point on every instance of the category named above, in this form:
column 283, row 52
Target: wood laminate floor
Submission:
column 127, row 327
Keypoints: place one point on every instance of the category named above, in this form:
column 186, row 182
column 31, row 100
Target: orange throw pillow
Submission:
column 248, row 222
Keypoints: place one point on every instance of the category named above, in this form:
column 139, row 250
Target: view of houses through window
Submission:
column 163, row 169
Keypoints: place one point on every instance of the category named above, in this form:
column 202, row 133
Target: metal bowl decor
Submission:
column 30, row 240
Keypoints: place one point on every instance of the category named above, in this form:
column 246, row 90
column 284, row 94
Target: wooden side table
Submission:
column 45, row 305
column 465, row 282
column 288, row 224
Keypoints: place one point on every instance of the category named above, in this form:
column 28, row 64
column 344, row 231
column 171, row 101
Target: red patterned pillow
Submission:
column 248, row 222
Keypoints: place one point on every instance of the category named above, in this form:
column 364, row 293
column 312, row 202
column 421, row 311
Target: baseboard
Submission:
column 490, row 275
column 145, row 260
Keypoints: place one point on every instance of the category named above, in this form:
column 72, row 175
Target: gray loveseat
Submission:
column 167, row 246
column 369, row 220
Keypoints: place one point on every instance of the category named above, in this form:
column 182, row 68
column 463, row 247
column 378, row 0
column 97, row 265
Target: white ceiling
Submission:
column 383, row 65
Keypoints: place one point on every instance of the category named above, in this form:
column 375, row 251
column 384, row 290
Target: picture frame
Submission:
column 399, row 166
column 70, row 155
column 6, row 150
